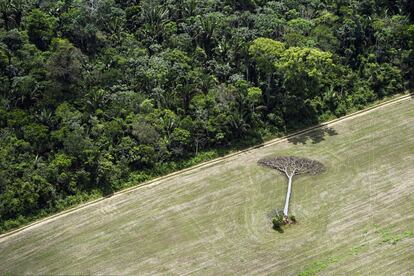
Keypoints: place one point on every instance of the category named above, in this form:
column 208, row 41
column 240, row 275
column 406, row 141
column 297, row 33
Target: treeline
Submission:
column 96, row 95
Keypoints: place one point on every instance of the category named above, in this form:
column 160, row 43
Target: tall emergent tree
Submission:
column 291, row 166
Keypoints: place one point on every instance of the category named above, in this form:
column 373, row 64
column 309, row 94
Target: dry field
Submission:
column 355, row 219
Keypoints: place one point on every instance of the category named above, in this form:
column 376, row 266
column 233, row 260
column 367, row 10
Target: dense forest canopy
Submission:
column 98, row 94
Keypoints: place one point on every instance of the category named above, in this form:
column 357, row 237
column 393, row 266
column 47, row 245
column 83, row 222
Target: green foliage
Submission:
column 318, row 266
column 254, row 95
column 41, row 28
column 265, row 52
column 37, row 135
column 308, row 74
column 277, row 224
column 95, row 94
column 65, row 68
column 390, row 237
column 277, row 219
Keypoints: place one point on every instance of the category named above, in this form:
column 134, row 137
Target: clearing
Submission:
column 356, row 218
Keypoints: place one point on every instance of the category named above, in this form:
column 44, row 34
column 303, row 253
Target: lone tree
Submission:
column 291, row 166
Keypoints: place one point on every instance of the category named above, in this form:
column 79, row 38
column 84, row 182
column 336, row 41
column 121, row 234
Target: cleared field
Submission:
column 355, row 219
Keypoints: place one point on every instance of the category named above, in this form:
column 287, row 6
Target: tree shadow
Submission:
column 278, row 229
column 316, row 136
column 107, row 191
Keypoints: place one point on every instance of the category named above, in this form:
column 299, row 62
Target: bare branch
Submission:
column 292, row 165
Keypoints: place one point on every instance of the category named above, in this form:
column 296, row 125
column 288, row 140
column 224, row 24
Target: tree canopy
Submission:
column 292, row 165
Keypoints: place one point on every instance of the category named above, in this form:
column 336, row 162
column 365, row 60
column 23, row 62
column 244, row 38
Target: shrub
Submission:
column 276, row 217
column 277, row 223
column 279, row 220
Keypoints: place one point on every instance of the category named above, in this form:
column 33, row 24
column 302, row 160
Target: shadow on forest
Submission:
column 316, row 136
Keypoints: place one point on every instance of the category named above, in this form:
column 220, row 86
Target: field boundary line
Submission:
column 206, row 164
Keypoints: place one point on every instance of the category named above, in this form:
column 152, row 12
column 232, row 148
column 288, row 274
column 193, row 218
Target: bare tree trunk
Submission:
column 289, row 191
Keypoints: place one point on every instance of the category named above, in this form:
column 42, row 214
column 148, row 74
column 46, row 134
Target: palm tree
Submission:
column 155, row 16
